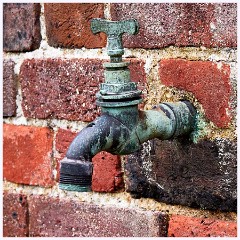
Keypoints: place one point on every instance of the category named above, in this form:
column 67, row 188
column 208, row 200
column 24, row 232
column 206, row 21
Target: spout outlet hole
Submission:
column 91, row 125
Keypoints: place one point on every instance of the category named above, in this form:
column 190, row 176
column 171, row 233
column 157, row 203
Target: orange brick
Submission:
column 209, row 84
column 183, row 226
column 27, row 155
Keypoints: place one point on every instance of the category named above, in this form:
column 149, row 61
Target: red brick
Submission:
column 68, row 25
column 64, row 89
column 54, row 217
column 63, row 140
column 183, row 226
column 138, row 75
column 107, row 175
column 27, row 155
column 15, row 215
column 21, row 26
column 137, row 72
column 209, row 84
column 180, row 24
column 9, row 89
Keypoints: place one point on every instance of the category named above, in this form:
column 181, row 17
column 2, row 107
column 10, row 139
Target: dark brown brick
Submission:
column 21, row 27
column 180, row 24
column 9, row 89
column 15, row 215
column 54, row 217
column 63, row 89
column 27, row 155
column 179, row 172
column 68, row 25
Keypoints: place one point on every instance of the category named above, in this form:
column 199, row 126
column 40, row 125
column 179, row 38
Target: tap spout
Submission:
column 121, row 134
column 106, row 133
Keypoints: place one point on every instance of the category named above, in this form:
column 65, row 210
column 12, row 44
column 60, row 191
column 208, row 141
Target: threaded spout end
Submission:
column 75, row 175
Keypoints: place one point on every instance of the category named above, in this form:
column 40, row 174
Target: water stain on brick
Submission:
column 179, row 172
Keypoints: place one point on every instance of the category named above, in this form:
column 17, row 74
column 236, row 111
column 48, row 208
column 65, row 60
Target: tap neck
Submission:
column 118, row 90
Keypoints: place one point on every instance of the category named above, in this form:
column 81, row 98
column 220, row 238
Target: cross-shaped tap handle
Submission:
column 114, row 31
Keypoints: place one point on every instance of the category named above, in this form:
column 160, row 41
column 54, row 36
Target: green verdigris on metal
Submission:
column 114, row 31
column 118, row 85
column 122, row 127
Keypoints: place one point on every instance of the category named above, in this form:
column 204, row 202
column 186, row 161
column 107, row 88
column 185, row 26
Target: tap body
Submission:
column 121, row 131
column 122, row 127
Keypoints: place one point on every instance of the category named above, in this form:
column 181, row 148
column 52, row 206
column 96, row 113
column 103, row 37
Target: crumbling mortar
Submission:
column 189, row 53
column 42, row 24
column 74, row 126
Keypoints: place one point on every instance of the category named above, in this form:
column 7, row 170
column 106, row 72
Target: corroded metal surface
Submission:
column 114, row 31
column 122, row 128
column 118, row 90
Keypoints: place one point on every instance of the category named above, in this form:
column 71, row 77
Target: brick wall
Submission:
column 52, row 69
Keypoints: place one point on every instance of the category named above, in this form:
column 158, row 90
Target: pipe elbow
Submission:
column 89, row 140
column 106, row 133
